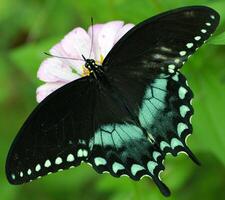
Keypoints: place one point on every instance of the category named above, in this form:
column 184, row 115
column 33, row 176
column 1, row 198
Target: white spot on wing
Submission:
column 183, row 53
column 175, row 142
column 203, row 31
column 29, row 171
column 208, row 24
column 163, row 145
column 70, row 158
column 47, row 163
column 182, row 92
column 183, row 110
column 38, row 167
column 156, row 154
column 151, row 166
column 197, row 38
column 99, row 161
column 13, row 176
column 136, row 168
column 175, row 77
column 58, row 161
column 117, row 166
column 181, row 127
column 189, row 45
column 85, row 152
column 80, row 153
column 177, row 60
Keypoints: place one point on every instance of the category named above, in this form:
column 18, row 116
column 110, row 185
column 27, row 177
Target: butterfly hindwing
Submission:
column 123, row 147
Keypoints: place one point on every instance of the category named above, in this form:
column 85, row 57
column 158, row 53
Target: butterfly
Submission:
column 127, row 114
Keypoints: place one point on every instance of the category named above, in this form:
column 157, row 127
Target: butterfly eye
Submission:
column 86, row 64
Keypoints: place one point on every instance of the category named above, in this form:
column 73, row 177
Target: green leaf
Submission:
column 218, row 40
column 206, row 75
column 29, row 57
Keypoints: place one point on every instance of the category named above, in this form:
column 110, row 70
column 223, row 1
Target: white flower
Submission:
column 56, row 72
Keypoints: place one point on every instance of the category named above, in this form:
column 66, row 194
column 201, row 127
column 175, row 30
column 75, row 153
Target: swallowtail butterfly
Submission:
column 127, row 114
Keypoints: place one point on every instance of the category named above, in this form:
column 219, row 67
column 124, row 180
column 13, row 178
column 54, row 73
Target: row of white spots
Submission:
column 58, row 161
column 197, row 38
column 190, row 45
column 174, row 143
column 135, row 168
column 171, row 68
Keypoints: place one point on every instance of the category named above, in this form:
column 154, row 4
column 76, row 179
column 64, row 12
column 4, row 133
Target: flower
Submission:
column 56, row 72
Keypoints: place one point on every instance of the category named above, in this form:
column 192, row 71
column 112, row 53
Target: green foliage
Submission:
column 218, row 40
column 28, row 28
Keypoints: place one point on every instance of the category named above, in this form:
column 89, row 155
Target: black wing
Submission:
column 55, row 135
column 166, row 39
column 144, row 67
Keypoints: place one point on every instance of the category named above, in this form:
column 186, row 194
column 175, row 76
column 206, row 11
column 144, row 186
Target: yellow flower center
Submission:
column 85, row 72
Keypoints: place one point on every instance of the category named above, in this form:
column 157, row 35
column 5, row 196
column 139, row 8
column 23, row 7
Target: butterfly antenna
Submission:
column 62, row 57
column 92, row 36
column 83, row 57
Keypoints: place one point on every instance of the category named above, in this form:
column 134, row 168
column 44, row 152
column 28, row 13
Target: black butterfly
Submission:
column 127, row 114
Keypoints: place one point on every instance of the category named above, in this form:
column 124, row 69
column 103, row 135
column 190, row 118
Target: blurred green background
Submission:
column 28, row 28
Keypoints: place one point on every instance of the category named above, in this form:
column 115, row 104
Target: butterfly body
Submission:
column 127, row 114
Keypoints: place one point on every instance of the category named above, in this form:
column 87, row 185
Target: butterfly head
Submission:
column 90, row 64
column 93, row 68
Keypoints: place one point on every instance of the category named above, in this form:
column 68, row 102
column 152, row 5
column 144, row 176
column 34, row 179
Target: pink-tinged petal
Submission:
column 96, row 48
column 44, row 90
column 55, row 70
column 107, row 35
column 75, row 44
column 58, row 50
column 123, row 31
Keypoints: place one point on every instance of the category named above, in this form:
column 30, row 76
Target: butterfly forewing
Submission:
column 167, row 39
column 54, row 136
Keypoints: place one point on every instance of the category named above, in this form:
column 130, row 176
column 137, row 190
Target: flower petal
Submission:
column 55, row 70
column 58, row 50
column 123, row 31
column 73, row 45
column 96, row 48
column 44, row 90
column 107, row 35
